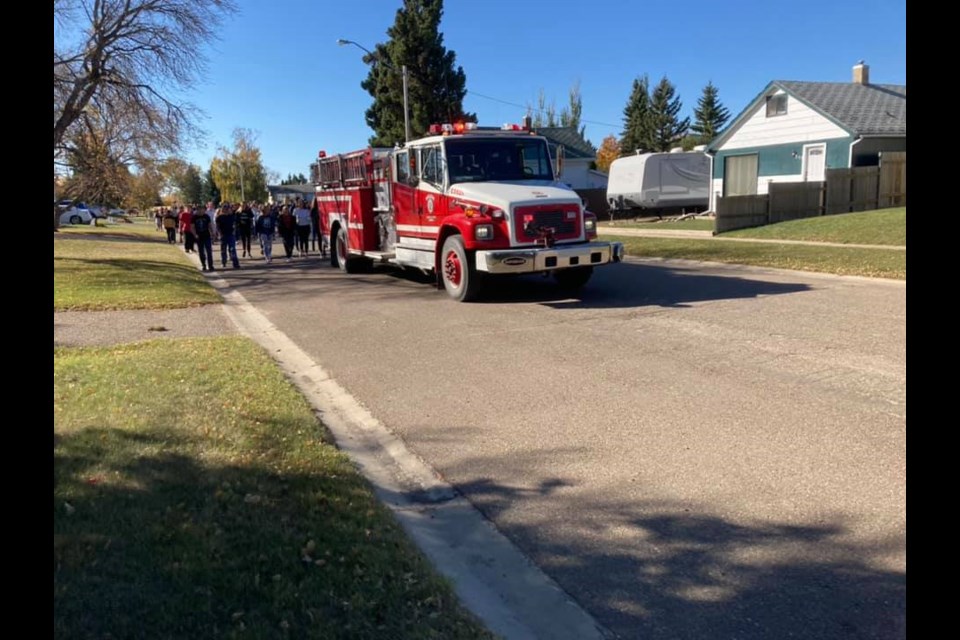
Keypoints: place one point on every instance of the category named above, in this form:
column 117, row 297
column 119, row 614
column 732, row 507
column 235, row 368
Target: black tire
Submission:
column 574, row 278
column 458, row 271
column 75, row 219
column 340, row 256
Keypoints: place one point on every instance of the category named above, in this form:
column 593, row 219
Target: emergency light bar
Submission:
column 456, row 127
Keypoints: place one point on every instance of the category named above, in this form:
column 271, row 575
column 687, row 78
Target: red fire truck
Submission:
column 464, row 203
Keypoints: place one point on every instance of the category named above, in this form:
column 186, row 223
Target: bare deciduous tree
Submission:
column 132, row 54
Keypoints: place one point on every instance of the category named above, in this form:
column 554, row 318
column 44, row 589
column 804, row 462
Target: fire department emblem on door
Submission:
column 429, row 204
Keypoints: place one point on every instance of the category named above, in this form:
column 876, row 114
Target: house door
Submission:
column 814, row 162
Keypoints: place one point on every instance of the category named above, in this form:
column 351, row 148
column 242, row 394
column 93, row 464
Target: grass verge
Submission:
column 123, row 266
column 882, row 226
column 195, row 498
column 875, row 263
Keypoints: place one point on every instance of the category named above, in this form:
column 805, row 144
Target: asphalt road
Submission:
column 689, row 450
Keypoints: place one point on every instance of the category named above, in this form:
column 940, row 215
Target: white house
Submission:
column 578, row 156
column 794, row 131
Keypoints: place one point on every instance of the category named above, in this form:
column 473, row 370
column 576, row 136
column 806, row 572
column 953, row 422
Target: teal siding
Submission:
column 787, row 159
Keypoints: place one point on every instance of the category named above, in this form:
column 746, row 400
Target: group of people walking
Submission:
column 198, row 228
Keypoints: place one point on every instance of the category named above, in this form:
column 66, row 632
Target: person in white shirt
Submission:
column 302, row 214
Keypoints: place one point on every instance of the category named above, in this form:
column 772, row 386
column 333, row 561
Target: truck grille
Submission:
column 531, row 221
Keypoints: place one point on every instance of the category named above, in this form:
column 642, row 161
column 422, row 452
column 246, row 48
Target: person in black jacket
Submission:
column 245, row 228
column 202, row 228
column 227, row 226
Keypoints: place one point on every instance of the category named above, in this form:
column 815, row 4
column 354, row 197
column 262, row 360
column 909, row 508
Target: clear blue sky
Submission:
column 278, row 69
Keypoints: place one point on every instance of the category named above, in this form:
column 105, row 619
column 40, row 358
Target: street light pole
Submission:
column 403, row 73
column 243, row 197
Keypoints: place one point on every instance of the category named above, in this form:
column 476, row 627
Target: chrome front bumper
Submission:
column 588, row 254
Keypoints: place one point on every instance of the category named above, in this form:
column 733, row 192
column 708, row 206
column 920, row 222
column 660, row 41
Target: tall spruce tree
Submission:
column 210, row 191
column 436, row 86
column 666, row 128
column 636, row 115
column 711, row 116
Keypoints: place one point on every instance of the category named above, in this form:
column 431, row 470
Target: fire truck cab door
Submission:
column 430, row 198
column 406, row 178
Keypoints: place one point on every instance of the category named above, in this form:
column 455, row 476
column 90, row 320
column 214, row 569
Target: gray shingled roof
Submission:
column 866, row 110
column 574, row 146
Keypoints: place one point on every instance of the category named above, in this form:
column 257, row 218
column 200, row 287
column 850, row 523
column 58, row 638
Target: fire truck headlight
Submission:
column 483, row 232
column 590, row 224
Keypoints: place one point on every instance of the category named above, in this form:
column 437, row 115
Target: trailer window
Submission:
column 471, row 160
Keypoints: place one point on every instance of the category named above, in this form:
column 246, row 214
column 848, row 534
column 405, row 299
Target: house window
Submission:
column 777, row 105
column 740, row 175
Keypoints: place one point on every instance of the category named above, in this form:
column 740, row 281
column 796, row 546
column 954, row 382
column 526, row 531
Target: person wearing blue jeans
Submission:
column 227, row 226
column 264, row 227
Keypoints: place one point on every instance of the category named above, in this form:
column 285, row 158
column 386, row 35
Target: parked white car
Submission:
column 76, row 215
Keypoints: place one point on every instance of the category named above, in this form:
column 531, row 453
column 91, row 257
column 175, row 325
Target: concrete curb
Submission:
column 492, row 578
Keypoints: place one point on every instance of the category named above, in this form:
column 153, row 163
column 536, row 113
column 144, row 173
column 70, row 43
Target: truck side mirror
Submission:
column 559, row 162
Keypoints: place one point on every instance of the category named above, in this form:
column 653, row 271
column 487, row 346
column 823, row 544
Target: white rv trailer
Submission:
column 658, row 181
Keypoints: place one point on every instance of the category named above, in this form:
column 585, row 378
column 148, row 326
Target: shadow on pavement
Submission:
column 672, row 570
column 622, row 285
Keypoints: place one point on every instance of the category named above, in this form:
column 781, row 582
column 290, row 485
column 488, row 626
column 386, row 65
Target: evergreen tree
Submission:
column 436, row 87
column 636, row 130
column 665, row 128
column 210, row 191
column 292, row 178
column 711, row 116
column 189, row 184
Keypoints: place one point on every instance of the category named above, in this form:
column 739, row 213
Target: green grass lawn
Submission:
column 196, row 496
column 123, row 266
column 883, row 226
column 877, row 263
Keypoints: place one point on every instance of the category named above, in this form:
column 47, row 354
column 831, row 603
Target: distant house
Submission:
column 578, row 157
column 795, row 131
column 280, row 193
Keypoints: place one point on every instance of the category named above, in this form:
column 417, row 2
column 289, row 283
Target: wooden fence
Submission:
column 740, row 212
column 893, row 179
column 843, row 191
column 596, row 201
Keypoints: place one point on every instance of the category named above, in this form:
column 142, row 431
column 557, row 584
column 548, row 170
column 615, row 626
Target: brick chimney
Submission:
column 861, row 73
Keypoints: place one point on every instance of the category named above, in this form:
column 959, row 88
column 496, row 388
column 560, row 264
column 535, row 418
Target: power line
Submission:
column 541, row 111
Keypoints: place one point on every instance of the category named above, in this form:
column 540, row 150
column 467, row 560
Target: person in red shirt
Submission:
column 186, row 229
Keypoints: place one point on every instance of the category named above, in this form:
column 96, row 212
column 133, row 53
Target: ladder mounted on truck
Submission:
column 355, row 169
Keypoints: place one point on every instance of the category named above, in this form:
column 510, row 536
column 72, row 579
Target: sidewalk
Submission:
column 708, row 235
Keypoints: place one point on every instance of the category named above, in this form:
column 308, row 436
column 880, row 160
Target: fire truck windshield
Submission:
column 483, row 159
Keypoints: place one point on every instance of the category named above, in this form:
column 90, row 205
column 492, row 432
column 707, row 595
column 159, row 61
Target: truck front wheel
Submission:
column 458, row 271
